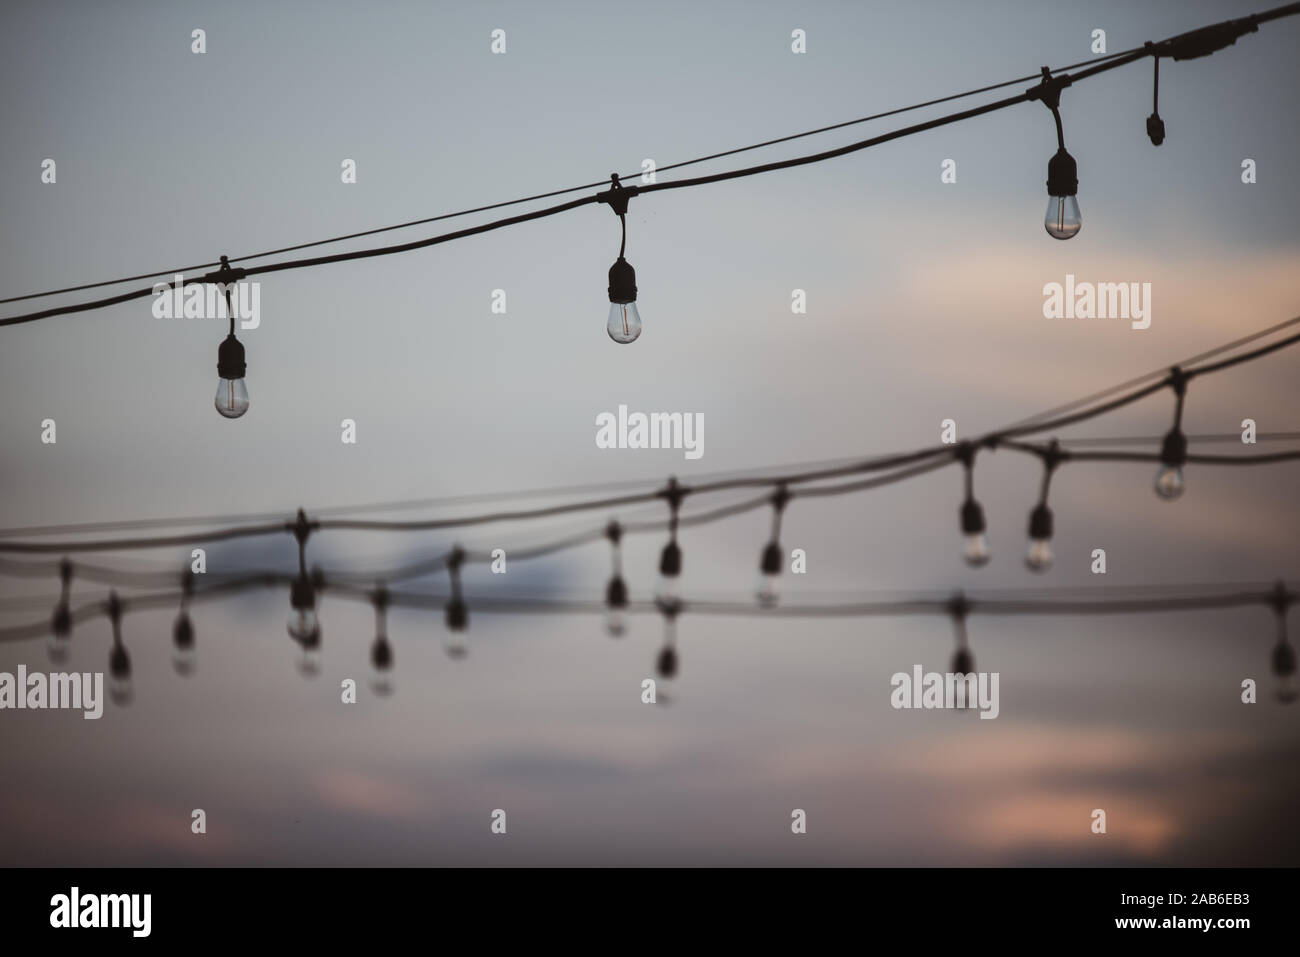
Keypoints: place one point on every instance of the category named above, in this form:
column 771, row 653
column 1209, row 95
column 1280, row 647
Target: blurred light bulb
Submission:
column 119, row 682
column 309, row 662
column 1169, row 482
column 453, row 642
column 1039, row 556
column 381, row 664
column 1062, row 220
column 58, row 644
column 624, row 323
column 615, row 605
column 976, row 551
column 184, row 657
column 303, row 623
column 769, row 576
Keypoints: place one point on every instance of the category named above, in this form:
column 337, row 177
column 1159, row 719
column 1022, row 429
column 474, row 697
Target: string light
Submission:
column 667, row 663
column 1062, row 220
column 770, row 562
column 976, row 549
column 232, row 391
column 1173, row 450
column 670, row 560
column 183, row 654
column 1283, row 658
column 616, row 590
column 1155, row 125
column 624, row 323
column 59, row 643
column 457, row 614
column 381, row 652
column 1039, row 556
column 119, row 662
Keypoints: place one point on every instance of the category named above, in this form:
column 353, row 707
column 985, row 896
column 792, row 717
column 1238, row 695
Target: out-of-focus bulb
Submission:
column 1062, row 220
column 769, row 576
column 670, row 570
column 1284, row 670
column 624, row 323
column 976, row 550
column 457, row 621
column 1039, row 556
column 616, row 605
column 184, row 656
column 1169, row 482
column 58, row 645
column 381, row 665
column 309, row 662
column 302, row 623
column 119, row 671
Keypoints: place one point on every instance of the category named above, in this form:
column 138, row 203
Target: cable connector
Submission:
column 226, row 274
column 617, row 195
column 1048, row 90
column 1206, row 40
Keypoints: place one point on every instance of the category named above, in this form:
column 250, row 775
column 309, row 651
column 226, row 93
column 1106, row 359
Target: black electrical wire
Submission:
column 1206, row 40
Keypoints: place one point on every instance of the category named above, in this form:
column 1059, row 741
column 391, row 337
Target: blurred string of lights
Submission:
column 957, row 606
column 1062, row 219
column 778, row 490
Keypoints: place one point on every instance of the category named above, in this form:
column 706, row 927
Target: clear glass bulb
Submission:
column 232, row 398
column 976, row 551
column 121, row 690
column 1169, row 481
column 666, row 588
column 768, row 592
column 1285, row 689
column 624, row 323
column 302, row 622
column 1039, row 556
column 184, row 660
column 381, row 682
column 1062, row 219
column 309, row 661
column 453, row 644
column 615, row 621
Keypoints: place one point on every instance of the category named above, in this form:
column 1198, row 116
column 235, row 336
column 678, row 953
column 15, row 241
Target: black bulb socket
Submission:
column 1173, row 450
column 972, row 518
column 771, row 562
column 381, row 654
column 670, row 562
column 1155, row 129
column 1040, row 523
column 667, row 663
column 230, row 358
column 1062, row 175
column 183, row 632
column 302, row 595
column 119, row 663
column 616, row 593
column 457, row 615
column 963, row 662
column 61, row 622
column 1283, row 660
column 622, row 281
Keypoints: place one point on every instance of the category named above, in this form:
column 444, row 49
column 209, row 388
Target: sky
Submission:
column 924, row 303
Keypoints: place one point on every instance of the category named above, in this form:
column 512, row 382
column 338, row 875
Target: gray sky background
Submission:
column 924, row 302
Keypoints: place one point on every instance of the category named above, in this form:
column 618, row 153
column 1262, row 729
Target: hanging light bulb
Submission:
column 616, row 590
column 624, row 322
column 1173, row 454
column 1173, row 450
column 381, row 652
column 119, row 662
column 303, row 622
column 1039, row 555
column 769, row 563
column 184, row 657
column 666, row 663
column 1283, row 657
column 1062, row 219
column 232, row 393
column 670, row 559
column 58, row 644
column 975, row 549
column 457, row 613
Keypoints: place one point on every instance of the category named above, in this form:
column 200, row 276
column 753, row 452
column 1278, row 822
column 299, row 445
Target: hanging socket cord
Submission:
column 1155, row 125
column 769, row 563
column 119, row 662
column 381, row 652
column 616, row 591
column 183, row 651
column 624, row 322
column 1039, row 556
column 670, row 560
column 1283, row 659
column 59, row 641
column 1173, row 450
column 1062, row 220
column 457, row 613
column 976, row 548
column 667, row 662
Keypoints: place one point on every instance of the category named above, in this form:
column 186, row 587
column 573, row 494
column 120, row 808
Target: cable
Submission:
column 1196, row 43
